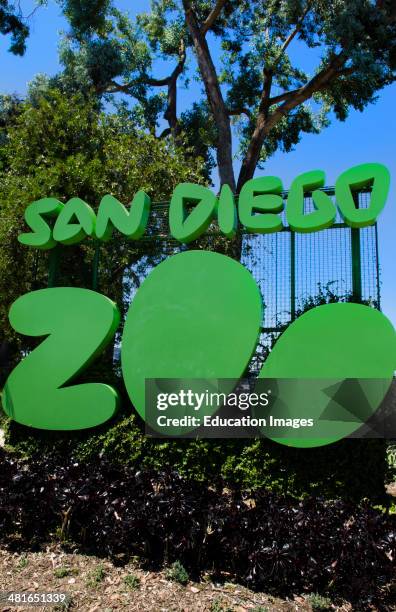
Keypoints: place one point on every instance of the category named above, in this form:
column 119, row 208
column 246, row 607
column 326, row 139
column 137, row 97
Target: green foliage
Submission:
column 217, row 606
column 319, row 603
column 64, row 146
column 96, row 576
column 66, row 605
column 112, row 53
column 63, row 572
column 177, row 573
column 23, row 562
column 199, row 133
column 391, row 457
column 132, row 582
column 351, row 469
column 12, row 22
column 88, row 16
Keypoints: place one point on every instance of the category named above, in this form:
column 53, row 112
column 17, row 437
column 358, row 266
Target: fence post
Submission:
column 292, row 275
column 377, row 267
column 95, row 267
column 53, row 266
column 356, row 259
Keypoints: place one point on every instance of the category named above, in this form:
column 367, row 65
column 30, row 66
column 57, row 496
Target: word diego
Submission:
column 259, row 206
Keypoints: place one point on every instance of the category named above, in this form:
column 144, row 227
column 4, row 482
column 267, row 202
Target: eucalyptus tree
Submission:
column 245, row 55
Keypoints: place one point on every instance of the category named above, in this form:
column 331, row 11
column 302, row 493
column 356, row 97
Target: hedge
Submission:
column 267, row 541
column 350, row 469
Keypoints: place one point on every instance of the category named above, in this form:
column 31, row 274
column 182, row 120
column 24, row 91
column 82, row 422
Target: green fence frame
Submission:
column 357, row 266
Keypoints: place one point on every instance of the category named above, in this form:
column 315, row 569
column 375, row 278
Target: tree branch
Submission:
column 214, row 96
column 146, row 80
column 293, row 34
column 157, row 82
column 171, row 111
column 264, row 123
column 166, row 132
column 170, row 81
column 346, row 71
column 265, row 97
column 289, row 94
column 283, row 96
column 215, row 12
column 239, row 111
column 119, row 87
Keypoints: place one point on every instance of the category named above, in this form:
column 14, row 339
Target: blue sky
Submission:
column 364, row 137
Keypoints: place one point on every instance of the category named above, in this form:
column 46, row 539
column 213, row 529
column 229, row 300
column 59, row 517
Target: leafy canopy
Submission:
column 247, row 62
column 64, row 147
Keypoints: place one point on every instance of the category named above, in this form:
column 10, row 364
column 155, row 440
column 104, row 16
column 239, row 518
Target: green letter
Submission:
column 187, row 227
column 325, row 212
column 358, row 177
column 261, row 194
column 326, row 346
column 226, row 212
column 41, row 237
column 196, row 316
column 71, row 233
column 79, row 324
column 112, row 214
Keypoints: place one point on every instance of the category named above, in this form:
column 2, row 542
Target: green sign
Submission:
column 198, row 315
column 259, row 207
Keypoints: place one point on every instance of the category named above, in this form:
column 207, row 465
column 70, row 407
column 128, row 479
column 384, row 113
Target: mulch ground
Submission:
column 96, row 585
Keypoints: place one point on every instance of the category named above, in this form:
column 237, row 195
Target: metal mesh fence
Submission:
column 298, row 271
column 294, row 271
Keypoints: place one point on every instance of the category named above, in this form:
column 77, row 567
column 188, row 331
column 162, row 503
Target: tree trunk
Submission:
column 214, row 95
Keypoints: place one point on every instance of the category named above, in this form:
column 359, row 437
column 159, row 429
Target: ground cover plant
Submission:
column 265, row 541
column 154, row 592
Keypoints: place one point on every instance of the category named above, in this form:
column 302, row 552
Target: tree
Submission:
column 255, row 86
column 12, row 22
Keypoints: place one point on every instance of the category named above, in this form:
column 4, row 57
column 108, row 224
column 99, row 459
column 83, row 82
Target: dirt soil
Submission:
column 96, row 585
